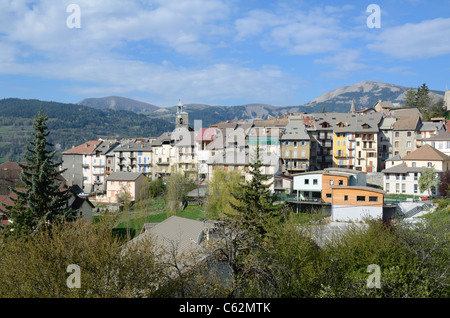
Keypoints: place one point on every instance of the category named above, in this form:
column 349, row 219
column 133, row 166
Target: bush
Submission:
column 37, row 266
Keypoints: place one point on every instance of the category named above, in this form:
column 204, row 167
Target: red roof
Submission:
column 86, row 148
column 10, row 166
column 205, row 134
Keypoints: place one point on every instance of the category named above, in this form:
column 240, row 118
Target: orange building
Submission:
column 331, row 179
column 354, row 203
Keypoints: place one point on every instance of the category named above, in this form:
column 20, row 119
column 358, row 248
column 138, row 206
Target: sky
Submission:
column 218, row 52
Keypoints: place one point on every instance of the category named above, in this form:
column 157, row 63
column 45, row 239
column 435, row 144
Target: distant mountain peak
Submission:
column 365, row 94
column 118, row 103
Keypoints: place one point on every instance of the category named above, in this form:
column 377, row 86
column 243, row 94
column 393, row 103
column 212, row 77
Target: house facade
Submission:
column 356, row 203
column 404, row 134
column 83, row 166
column 402, row 176
column 295, row 146
column 119, row 182
column 440, row 141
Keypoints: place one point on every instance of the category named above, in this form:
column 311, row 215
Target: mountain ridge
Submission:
column 365, row 94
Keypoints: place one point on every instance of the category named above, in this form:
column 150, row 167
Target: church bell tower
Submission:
column 181, row 117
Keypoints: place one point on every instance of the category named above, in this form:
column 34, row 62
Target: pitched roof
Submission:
column 440, row 136
column 185, row 234
column 86, row 148
column 124, row 176
column 431, row 126
column 407, row 122
column 295, row 130
column 401, row 168
column 426, row 152
column 14, row 166
column 134, row 146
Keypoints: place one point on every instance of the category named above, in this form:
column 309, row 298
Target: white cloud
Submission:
column 297, row 31
column 415, row 41
column 344, row 63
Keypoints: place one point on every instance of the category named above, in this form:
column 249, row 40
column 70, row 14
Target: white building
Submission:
column 308, row 185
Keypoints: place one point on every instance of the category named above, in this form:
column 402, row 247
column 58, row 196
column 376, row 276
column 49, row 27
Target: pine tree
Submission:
column 423, row 100
column 42, row 202
column 410, row 98
column 256, row 202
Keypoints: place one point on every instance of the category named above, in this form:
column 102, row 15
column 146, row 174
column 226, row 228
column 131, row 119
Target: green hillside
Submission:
column 69, row 125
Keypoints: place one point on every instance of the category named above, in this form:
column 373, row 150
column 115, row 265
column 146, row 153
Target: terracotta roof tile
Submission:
column 86, row 148
column 426, row 152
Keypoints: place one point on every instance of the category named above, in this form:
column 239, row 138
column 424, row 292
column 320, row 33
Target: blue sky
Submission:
column 218, row 52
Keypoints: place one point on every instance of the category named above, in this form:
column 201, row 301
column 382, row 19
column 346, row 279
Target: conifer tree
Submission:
column 42, row 202
column 256, row 202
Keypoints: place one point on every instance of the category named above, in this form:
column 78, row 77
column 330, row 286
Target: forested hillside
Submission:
column 69, row 125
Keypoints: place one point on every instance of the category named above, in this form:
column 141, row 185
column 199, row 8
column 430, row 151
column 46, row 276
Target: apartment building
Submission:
column 295, row 146
column 203, row 138
column 440, row 141
column 162, row 152
column 427, row 130
column 404, row 134
column 366, row 142
column 403, row 174
column 385, row 135
column 133, row 156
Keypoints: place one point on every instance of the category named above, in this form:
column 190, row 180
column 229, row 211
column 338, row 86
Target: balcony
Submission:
column 162, row 163
column 341, row 155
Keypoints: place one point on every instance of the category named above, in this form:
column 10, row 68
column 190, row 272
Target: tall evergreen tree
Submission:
column 256, row 202
column 42, row 202
column 423, row 99
column 410, row 98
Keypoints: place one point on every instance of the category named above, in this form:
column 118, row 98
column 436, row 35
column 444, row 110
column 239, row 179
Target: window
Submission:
column 415, row 188
column 396, row 144
column 303, row 153
column 338, row 142
column 345, row 197
column 397, row 188
column 413, row 164
column 306, row 181
column 341, row 182
column 373, row 199
column 295, row 144
column 344, row 143
column 387, row 187
column 397, row 177
column 408, row 134
column 315, row 181
column 403, row 188
column 397, row 134
column 408, row 144
column 415, row 175
column 328, row 195
column 295, row 154
column 331, row 182
column 429, row 164
column 361, row 198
